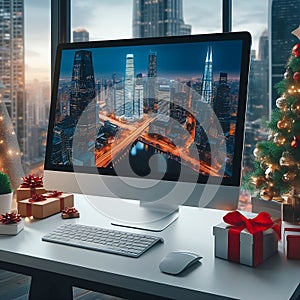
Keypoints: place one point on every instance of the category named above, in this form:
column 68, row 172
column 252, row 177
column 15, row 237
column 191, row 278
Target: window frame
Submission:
column 61, row 24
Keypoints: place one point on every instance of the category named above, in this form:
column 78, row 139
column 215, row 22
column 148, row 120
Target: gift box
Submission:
column 246, row 241
column 25, row 193
column 70, row 212
column 290, row 213
column 291, row 240
column 11, row 224
column 45, row 205
column 30, row 186
column 290, row 210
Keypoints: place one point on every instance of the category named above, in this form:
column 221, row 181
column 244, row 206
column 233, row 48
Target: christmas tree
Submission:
column 277, row 160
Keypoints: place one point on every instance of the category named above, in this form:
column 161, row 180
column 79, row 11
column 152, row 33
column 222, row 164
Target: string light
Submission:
column 10, row 158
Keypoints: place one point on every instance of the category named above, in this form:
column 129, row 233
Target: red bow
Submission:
column 37, row 198
column 260, row 223
column 70, row 210
column 10, row 218
column 32, row 181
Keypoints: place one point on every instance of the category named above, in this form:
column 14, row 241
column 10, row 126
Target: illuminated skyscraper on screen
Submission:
column 152, row 18
column 12, row 64
column 83, row 114
column 82, row 84
column 207, row 84
column 129, row 86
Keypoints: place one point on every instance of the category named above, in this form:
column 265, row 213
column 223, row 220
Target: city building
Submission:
column 258, row 109
column 12, row 65
column 258, row 85
column 139, row 97
column 152, row 18
column 129, row 86
column 82, row 102
column 151, row 101
column 221, row 104
column 283, row 19
column 81, row 35
column 206, row 91
column 82, row 84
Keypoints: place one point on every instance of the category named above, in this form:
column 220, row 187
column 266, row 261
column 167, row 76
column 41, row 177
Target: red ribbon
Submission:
column 10, row 218
column 34, row 198
column 28, row 209
column 255, row 226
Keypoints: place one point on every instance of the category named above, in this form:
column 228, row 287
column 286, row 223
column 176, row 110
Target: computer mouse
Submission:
column 177, row 261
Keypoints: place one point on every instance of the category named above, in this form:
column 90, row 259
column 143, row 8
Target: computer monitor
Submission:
column 156, row 121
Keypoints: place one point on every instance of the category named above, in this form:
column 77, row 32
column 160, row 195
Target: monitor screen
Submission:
column 168, row 109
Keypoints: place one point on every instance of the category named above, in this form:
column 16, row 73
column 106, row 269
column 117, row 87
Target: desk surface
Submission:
column 277, row 278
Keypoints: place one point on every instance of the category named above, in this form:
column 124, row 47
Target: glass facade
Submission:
column 12, row 65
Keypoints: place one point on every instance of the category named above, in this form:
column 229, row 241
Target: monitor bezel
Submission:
column 244, row 37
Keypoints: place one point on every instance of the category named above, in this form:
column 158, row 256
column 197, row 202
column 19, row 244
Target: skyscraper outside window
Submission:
column 12, row 64
column 152, row 18
column 284, row 18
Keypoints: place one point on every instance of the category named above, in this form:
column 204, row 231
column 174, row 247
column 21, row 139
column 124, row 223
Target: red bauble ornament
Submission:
column 296, row 76
column 296, row 50
column 294, row 143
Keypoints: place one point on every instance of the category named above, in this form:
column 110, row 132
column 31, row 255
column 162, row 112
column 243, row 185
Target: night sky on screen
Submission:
column 173, row 60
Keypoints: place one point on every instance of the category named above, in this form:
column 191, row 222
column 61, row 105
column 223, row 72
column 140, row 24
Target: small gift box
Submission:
column 70, row 212
column 291, row 240
column 11, row 224
column 246, row 241
column 45, row 205
column 30, row 186
column 290, row 210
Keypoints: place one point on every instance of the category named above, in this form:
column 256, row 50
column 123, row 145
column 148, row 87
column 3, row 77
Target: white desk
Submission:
column 277, row 278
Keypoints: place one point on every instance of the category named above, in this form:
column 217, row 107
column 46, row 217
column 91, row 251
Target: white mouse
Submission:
column 177, row 261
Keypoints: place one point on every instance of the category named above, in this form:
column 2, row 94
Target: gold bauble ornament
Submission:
column 279, row 139
column 264, row 164
column 269, row 173
column 289, row 176
column 267, row 194
column 282, row 103
column 285, row 123
column 260, row 180
column 295, row 107
column 286, row 159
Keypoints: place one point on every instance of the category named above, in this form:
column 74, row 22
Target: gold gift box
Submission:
column 25, row 193
column 45, row 208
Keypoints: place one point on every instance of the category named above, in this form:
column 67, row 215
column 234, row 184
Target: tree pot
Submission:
column 5, row 202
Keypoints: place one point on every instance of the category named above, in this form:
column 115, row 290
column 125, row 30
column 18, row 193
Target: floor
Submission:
column 15, row 286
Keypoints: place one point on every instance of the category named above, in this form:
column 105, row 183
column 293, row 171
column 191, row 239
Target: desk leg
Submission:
column 50, row 286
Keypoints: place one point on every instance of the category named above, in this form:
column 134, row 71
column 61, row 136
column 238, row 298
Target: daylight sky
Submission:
column 112, row 19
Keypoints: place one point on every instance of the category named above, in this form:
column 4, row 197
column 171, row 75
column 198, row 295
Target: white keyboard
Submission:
column 102, row 239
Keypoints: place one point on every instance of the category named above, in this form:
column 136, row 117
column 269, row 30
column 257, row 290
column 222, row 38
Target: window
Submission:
column 37, row 82
column 114, row 19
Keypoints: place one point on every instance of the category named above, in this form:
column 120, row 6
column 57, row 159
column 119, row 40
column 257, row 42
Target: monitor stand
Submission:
column 160, row 224
column 133, row 214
